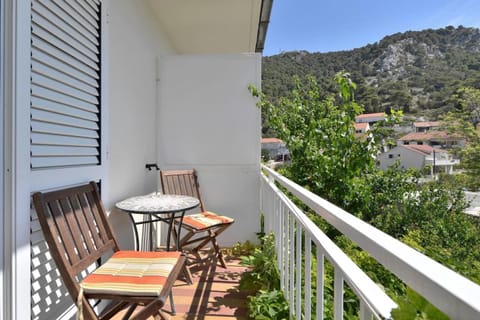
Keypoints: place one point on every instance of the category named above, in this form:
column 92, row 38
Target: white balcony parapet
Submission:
column 288, row 230
column 452, row 293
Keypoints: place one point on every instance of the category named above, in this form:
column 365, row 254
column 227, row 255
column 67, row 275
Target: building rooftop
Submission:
column 427, row 124
column 370, row 115
column 424, row 149
column 271, row 140
column 429, row 135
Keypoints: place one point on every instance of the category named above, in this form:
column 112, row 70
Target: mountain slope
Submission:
column 416, row 71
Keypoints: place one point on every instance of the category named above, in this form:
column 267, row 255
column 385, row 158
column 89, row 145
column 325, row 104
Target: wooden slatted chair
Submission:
column 203, row 227
column 78, row 234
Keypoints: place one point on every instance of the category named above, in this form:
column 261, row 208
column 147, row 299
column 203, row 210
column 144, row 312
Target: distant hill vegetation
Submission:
column 416, row 71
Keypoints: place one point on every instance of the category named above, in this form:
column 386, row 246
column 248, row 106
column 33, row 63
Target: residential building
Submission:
column 361, row 127
column 424, row 126
column 275, row 148
column 370, row 118
column 418, row 157
column 434, row 138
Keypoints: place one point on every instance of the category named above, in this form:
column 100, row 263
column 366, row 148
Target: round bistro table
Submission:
column 158, row 207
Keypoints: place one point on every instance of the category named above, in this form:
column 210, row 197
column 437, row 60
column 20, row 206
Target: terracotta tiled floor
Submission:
column 214, row 294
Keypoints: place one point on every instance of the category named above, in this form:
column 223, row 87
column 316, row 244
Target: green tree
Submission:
column 328, row 160
column 464, row 122
column 320, row 136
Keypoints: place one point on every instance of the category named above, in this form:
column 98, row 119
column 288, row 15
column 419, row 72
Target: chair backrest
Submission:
column 182, row 182
column 76, row 228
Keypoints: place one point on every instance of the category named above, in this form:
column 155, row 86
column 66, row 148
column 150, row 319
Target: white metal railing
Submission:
column 455, row 295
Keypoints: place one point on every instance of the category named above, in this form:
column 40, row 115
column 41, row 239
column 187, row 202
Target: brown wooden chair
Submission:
column 78, row 234
column 203, row 227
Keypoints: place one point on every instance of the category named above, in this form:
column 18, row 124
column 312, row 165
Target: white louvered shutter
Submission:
column 65, row 83
column 65, row 133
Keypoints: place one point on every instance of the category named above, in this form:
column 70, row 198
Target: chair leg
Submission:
column 161, row 316
column 187, row 273
column 172, row 304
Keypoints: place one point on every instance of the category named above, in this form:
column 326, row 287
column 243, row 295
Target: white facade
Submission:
column 406, row 158
column 165, row 99
column 418, row 157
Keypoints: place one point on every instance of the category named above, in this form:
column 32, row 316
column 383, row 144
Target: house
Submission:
column 95, row 90
column 424, row 126
column 98, row 90
column 418, row 157
column 275, row 148
column 361, row 127
column 370, row 118
column 432, row 138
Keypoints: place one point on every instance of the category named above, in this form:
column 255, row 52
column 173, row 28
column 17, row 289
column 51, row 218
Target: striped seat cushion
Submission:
column 132, row 273
column 205, row 220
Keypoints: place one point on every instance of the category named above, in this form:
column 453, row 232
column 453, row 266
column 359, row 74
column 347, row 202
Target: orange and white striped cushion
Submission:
column 131, row 273
column 205, row 220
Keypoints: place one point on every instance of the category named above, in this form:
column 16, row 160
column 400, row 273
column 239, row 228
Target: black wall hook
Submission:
column 149, row 166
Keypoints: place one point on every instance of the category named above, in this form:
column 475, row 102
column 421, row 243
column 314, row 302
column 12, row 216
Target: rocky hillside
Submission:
column 416, row 71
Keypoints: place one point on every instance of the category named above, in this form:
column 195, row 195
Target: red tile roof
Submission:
column 360, row 126
column 370, row 115
column 424, row 149
column 426, row 124
column 426, row 136
column 271, row 140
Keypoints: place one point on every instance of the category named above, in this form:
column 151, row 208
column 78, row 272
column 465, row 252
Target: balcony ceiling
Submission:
column 209, row 26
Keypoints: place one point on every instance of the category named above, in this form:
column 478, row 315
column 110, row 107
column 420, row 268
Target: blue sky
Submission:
column 332, row 25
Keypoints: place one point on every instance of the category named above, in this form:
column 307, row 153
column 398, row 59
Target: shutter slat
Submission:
column 48, row 162
column 61, row 37
column 51, row 128
column 86, row 7
column 40, row 80
column 45, row 116
column 41, row 104
column 50, row 55
column 43, row 11
column 49, row 151
column 93, row 4
column 63, row 99
column 64, row 16
column 76, row 17
column 62, row 46
column 82, row 13
column 52, row 139
column 64, row 78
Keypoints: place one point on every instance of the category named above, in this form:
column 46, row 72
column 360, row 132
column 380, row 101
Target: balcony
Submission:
column 299, row 242
column 296, row 236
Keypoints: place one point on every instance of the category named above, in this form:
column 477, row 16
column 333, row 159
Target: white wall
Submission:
column 208, row 120
column 407, row 158
column 136, row 45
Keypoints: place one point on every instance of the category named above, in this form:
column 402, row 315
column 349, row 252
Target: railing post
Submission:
column 308, row 276
column 338, row 295
column 320, row 282
column 365, row 314
column 298, row 278
column 291, row 273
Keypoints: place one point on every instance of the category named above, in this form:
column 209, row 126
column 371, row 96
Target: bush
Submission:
column 264, row 279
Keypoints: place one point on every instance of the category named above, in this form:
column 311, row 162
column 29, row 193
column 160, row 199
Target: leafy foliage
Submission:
column 268, row 305
column 320, row 136
column 264, row 274
column 264, row 278
column 463, row 121
column 329, row 161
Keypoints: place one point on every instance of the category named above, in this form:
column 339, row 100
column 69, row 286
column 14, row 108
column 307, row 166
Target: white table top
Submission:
column 157, row 203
